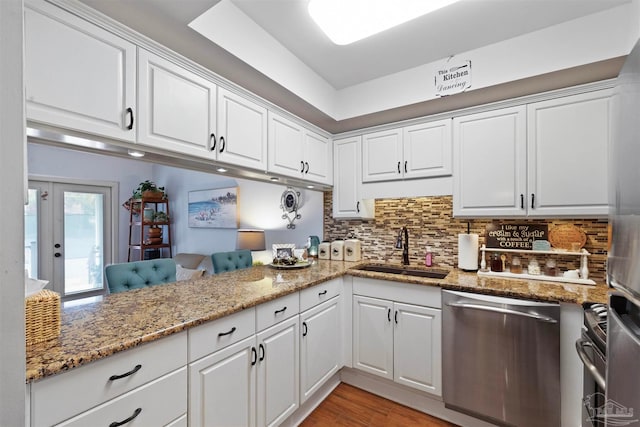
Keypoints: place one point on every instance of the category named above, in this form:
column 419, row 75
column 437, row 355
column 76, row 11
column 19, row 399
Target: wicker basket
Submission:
column 42, row 315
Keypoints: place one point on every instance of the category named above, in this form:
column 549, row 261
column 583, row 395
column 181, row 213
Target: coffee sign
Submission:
column 514, row 236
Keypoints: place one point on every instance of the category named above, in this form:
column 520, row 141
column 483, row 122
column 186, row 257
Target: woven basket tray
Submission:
column 42, row 315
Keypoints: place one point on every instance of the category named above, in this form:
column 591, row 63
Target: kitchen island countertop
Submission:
column 117, row 322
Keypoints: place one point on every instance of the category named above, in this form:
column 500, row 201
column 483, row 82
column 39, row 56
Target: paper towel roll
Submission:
column 468, row 252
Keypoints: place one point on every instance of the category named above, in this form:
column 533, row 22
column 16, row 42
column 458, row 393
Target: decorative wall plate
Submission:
column 290, row 202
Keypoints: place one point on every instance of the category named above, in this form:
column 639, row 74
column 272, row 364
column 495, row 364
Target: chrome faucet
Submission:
column 405, row 247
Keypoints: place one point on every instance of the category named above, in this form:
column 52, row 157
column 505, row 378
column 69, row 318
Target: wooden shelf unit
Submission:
column 138, row 227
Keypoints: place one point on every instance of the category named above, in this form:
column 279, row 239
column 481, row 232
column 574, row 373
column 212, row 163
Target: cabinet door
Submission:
column 177, row 108
column 321, row 349
column 242, row 129
column 286, row 144
column 222, row 387
column 417, row 344
column 347, row 202
column 318, row 158
column 278, row 372
column 427, row 149
column 382, row 156
column 489, row 176
column 568, row 140
column 373, row 336
column 78, row 76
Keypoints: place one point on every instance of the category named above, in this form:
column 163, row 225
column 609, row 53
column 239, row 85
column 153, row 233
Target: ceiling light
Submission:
column 135, row 153
column 221, row 170
column 347, row 21
column 274, row 178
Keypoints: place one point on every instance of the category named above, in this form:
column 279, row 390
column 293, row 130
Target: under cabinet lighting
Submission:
column 221, row 170
column 274, row 178
column 347, row 21
column 135, row 153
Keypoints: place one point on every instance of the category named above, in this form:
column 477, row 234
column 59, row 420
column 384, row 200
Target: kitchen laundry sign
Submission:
column 514, row 236
column 453, row 77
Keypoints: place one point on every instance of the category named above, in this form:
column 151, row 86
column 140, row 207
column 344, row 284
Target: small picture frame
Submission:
column 283, row 250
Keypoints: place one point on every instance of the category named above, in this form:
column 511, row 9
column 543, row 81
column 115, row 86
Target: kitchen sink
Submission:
column 433, row 274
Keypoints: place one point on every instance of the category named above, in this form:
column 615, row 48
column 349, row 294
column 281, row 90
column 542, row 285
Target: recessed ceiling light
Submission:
column 347, row 21
column 135, row 153
column 221, row 170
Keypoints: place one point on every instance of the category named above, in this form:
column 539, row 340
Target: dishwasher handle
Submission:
column 581, row 343
column 502, row 310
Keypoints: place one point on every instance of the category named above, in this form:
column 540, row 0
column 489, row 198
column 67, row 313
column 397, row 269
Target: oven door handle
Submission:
column 581, row 343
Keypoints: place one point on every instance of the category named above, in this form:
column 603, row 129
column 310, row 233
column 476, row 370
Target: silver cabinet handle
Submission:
column 502, row 311
column 588, row 363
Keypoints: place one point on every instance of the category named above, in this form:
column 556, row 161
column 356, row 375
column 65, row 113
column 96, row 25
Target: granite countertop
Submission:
column 125, row 320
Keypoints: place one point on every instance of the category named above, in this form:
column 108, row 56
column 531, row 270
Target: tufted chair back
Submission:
column 229, row 261
column 140, row 274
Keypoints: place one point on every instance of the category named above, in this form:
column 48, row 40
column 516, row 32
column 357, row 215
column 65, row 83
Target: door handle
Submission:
column 533, row 201
column 57, row 254
column 405, row 166
column 396, row 317
column 581, row 343
column 222, row 144
column 358, row 206
column 130, row 114
column 126, row 374
column 57, row 245
column 502, row 311
column 521, row 201
column 389, row 314
column 282, row 310
column 212, row 138
column 399, row 167
column 128, row 420
column 261, row 352
column 254, row 356
column 304, row 329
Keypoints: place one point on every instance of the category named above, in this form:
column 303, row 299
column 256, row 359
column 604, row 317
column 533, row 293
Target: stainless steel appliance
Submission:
column 591, row 348
column 501, row 359
column 622, row 404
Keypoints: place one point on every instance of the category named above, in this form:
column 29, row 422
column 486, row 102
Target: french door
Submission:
column 68, row 236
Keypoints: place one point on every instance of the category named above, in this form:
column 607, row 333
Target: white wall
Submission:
column 12, row 350
column 258, row 206
column 51, row 161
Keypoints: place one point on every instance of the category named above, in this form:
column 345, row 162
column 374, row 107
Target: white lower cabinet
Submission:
column 222, row 387
column 252, row 382
column 320, row 347
column 135, row 384
column 398, row 341
column 140, row 406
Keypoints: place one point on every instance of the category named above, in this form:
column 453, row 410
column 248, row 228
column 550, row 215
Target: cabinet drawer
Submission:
column 62, row 396
column 159, row 403
column 206, row 339
column 320, row 293
column 428, row 296
column 275, row 311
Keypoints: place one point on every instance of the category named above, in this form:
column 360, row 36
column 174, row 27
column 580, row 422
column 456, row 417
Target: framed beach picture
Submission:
column 217, row 208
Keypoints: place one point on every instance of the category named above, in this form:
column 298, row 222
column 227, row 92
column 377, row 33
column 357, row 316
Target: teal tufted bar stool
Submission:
column 140, row 274
column 229, row 261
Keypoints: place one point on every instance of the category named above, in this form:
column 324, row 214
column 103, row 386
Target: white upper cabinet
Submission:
column 242, row 132
column 545, row 159
column 298, row 152
column 490, row 170
column 78, row 76
column 568, row 141
column 382, row 155
column 426, row 149
column 177, row 108
column 418, row 151
column 347, row 197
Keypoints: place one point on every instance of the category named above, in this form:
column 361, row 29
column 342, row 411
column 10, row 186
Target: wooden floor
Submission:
column 351, row 406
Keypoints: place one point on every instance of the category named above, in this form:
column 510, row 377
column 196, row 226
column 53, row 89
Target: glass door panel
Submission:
column 83, row 241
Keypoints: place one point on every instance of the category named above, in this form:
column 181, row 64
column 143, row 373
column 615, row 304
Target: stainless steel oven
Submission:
column 591, row 348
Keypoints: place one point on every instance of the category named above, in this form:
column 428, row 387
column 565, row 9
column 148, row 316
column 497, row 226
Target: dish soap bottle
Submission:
column 428, row 257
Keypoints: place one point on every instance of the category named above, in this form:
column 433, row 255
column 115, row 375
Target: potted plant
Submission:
column 149, row 190
column 160, row 217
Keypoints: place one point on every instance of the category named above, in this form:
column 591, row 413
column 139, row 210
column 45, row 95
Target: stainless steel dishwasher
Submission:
column 501, row 359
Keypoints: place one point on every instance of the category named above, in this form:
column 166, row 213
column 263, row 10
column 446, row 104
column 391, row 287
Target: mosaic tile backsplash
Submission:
column 430, row 222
